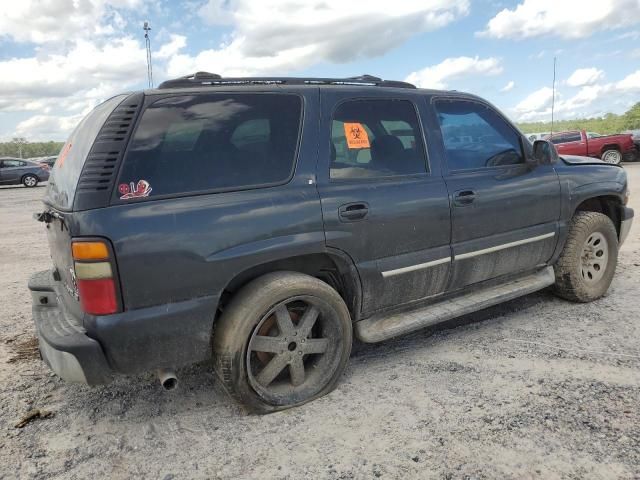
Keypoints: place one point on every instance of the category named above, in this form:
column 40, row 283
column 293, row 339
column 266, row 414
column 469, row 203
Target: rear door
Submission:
column 382, row 203
column 505, row 211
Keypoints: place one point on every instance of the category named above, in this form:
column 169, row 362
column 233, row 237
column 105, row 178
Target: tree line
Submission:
column 610, row 123
column 21, row 148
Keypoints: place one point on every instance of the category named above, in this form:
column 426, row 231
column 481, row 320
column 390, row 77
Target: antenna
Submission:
column 553, row 97
column 147, row 40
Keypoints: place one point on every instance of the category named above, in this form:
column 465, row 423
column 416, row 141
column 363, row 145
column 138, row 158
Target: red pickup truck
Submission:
column 610, row 148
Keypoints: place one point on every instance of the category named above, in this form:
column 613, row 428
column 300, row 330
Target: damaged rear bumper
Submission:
column 64, row 344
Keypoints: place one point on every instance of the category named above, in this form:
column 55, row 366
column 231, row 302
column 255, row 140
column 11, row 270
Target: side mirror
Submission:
column 544, row 152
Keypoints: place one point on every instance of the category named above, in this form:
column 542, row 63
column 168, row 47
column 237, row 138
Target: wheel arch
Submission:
column 332, row 267
column 610, row 146
column 29, row 174
column 608, row 205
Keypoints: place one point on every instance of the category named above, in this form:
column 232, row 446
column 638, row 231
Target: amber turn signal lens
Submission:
column 89, row 251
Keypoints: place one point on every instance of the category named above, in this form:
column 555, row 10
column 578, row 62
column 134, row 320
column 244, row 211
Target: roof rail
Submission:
column 213, row 79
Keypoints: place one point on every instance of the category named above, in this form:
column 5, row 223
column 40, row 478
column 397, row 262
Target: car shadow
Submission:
column 200, row 393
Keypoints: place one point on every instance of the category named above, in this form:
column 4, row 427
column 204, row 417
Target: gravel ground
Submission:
column 535, row 388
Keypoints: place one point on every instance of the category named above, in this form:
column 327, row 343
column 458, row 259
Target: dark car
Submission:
column 15, row 171
column 50, row 161
column 262, row 222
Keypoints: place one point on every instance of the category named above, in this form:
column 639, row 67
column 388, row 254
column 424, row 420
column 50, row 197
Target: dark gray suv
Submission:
column 262, row 222
column 15, row 171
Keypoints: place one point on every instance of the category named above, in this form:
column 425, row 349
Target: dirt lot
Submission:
column 536, row 388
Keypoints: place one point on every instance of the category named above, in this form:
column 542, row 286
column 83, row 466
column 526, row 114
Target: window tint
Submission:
column 376, row 138
column 566, row 137
column 475, row 136
column 13, row 163
column 221, row 141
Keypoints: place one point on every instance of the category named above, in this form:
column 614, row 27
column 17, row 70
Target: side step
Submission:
column 383, row 327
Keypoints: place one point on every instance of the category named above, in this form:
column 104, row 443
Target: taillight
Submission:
column 95, row 277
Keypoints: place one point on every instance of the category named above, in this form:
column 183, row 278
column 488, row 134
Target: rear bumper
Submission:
column 91, row 349
column 626, row 220
column 64, row 345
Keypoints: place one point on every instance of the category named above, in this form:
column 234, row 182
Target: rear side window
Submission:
column 64, row 176
column 376, row 138
column 475, row 136
column 566, row 137
column 192, row 143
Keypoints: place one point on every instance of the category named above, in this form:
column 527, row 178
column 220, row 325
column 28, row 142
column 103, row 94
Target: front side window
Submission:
column 475, row 136
column 376, row 138
column 193, row 143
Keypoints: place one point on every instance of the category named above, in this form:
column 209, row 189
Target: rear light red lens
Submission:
column 96, row 283
column 98, row 297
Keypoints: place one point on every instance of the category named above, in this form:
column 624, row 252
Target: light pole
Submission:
column 147, row 41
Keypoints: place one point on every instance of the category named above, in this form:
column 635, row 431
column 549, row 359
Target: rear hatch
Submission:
column 81, row 179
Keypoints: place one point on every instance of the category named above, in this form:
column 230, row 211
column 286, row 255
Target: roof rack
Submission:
column 213, row 79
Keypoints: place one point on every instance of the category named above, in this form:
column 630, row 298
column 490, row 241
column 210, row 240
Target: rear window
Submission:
column 194, row 143
column 66, row 171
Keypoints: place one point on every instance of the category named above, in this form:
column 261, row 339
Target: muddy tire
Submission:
column 588, row 261
column 30, row 180
column 283, row 340
column 612, row 156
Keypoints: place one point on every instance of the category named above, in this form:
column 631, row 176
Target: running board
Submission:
column 383, row 327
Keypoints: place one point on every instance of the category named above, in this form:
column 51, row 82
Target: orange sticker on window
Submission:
column 356, row 135
column 63, row 155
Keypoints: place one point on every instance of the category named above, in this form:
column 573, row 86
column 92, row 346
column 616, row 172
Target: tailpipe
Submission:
column 168, row 379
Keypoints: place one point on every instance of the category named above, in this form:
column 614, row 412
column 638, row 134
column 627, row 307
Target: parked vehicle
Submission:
column 50, row 160
column 262, row 222
column 635, row 135
column 609, row 148
column 15, row 171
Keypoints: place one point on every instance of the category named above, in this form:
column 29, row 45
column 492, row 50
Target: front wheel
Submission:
column 612, row 156
column 283, row 340
column 30, row 181
column 588, row 261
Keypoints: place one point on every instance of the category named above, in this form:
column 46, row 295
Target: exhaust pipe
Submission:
column 167, row 378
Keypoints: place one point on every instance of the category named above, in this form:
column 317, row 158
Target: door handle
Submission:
column 352, row 212
column 464, row 197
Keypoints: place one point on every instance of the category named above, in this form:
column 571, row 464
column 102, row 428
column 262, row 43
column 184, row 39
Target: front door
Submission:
column 381, row 203
column 504, row 209
column 11, row 171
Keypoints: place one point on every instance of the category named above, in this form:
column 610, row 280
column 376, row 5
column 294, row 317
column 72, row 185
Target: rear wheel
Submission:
column 283, row 340
column 612, row 156
column 588, row 261
column 30, row 180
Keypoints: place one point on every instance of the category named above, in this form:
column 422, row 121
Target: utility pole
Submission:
column 553, row 97
column 147, row 41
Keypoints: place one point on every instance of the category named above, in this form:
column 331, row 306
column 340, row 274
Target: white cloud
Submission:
column 589, row 101
column 61, row 20
column 85, row 71
column 46, row 127
column 508, row 87
column 585, row 76
column 536, row 101
column 566, row 18
column 285, row 35
column 438, row 76
column 170, row 49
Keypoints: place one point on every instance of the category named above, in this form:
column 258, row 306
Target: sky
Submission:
column 60, row 58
